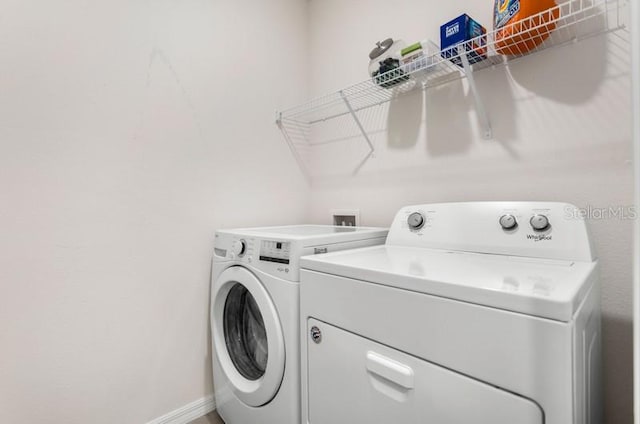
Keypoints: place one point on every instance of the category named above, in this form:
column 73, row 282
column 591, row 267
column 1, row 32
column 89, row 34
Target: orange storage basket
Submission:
column 522, row 25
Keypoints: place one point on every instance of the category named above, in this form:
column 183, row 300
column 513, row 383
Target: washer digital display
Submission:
column 275, row 251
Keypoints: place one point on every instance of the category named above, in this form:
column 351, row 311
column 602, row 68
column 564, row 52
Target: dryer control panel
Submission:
column 531, row 229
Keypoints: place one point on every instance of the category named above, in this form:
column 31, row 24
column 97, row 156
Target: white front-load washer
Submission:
column 255, row 316
column 483, row 313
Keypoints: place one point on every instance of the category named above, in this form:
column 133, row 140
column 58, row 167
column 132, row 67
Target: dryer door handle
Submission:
column 391, row 370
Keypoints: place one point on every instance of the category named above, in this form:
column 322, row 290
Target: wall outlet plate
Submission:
column 345, row 217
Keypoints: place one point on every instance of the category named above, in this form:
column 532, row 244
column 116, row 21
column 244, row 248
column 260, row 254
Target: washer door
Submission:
column 247, row 336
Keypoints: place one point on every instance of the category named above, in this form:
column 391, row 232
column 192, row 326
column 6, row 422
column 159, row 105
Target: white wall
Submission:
column 129, row 132
column 562, row 132
column 635, row 22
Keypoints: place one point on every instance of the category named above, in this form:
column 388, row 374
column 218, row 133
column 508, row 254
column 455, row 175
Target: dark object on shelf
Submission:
column 389, row 73
column 384, row 50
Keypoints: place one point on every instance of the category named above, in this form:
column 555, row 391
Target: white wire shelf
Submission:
column 568, row 22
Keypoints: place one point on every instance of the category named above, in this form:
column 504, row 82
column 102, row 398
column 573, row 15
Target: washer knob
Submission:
column 539, row 222
column 238, row 247
column 416, row 221
column 508, row 222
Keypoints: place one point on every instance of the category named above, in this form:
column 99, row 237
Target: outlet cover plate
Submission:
column 348, row 217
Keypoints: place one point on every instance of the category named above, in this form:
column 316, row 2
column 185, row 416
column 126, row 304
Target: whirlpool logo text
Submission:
column 538, row 237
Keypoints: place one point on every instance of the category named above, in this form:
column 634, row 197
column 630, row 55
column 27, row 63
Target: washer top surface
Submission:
column 307, row 230
column 323, row 233
column 464, row 252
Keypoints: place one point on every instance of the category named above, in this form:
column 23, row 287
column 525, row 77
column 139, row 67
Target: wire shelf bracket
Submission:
column 483, row 117
column 358, row 123
column 292, row 147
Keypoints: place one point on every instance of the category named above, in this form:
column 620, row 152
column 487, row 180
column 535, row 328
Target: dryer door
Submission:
column 355, row 380
column 247, row 336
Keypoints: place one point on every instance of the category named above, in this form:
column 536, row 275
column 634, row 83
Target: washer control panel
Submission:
column 234, row 247
column 275, row 251
column 239, row 247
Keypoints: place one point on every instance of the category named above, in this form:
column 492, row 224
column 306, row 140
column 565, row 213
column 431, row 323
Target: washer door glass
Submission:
column 249, row 349
column 245, row 334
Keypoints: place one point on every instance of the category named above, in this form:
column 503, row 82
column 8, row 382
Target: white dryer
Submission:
column 255, row 316
column 483, row 313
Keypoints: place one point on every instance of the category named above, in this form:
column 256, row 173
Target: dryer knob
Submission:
column 238, row 247
column 540, row 222
column 508, row 222
column 416, row 221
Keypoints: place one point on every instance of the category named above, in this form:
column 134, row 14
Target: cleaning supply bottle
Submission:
column 522, row 25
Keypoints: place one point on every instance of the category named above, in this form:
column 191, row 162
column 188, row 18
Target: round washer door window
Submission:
column 247, row 336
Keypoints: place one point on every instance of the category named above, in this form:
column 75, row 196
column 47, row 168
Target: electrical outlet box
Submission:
column 345, row 217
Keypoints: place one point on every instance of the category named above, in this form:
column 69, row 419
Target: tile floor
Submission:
column 212, row 418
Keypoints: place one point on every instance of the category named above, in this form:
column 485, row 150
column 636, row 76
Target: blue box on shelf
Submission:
column 463, row 29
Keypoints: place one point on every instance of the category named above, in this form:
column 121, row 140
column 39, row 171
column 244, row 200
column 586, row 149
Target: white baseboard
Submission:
column 187, row 413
